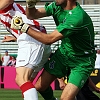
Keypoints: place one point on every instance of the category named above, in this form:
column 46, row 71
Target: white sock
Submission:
column 30, row 94
column 28, row 91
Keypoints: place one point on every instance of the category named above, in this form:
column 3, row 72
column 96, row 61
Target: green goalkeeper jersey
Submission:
column 77, row 28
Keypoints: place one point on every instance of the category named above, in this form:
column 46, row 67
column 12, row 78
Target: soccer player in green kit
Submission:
column 77, row 51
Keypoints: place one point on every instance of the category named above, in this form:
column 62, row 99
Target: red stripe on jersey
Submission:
column 21, row 8
column 38, row 26
column 16, row 31
column 36, row 23
column 7, row 15
column 8, row 25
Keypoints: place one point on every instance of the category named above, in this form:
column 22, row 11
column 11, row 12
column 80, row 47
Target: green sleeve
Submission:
column 69, row 26
column 49, row 7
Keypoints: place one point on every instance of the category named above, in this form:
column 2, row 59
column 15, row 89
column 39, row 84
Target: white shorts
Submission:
column 32, row 55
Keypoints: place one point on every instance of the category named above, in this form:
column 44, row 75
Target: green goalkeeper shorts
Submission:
column 77, row 69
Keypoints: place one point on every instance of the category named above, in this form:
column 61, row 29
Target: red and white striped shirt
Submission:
column 13, row 10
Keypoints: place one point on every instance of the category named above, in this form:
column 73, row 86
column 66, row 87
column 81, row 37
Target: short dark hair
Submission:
column 6, row 51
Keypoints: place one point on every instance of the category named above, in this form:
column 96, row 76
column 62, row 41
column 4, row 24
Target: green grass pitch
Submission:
column 7, row 94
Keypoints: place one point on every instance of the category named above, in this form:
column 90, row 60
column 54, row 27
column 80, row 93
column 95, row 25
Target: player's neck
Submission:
column 69, row 5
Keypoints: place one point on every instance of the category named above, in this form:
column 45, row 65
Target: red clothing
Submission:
column 7, row 14
column 11, row 63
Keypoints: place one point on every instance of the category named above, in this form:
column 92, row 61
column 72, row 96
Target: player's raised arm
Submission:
column 5, row 3
column 32, row 12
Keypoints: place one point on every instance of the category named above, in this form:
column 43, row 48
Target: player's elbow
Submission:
column 48, row 41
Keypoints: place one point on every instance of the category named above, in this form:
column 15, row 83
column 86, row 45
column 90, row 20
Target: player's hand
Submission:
column 31, row 3
column 62, row 84
column 8, row 39
column 97, row 90
column 17, row 23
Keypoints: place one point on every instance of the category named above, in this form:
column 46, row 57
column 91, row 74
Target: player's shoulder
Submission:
column 52, row 5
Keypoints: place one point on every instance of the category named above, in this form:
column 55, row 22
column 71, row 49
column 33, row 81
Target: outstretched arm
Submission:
column 5, row 3
column 9, row 39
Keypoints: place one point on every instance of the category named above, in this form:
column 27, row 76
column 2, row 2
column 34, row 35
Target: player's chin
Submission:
column 58, row 4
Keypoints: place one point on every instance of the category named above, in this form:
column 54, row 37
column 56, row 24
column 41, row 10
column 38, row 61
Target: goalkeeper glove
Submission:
column 17, row 23
column 31, row 3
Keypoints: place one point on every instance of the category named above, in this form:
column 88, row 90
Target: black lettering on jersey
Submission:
column 51, row 64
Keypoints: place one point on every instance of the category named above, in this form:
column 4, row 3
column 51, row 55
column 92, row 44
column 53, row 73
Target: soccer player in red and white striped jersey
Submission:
column 32, row 54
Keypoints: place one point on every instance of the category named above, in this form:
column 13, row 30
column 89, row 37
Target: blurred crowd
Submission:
column 7, row 60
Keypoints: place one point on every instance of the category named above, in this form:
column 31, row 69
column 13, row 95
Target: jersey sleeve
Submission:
column 49, row 7
column 69, row 26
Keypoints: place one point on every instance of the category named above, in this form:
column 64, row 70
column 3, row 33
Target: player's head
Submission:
column 98, row 51
column 6, row 52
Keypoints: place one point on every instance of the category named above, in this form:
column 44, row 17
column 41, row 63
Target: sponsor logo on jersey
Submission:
column 82, row 82
column 51, row 64
column 21, row 60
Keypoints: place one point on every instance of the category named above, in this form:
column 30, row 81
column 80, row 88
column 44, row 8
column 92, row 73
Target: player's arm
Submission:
column 45, row 38
column 9, row 39
column 62, row 84
column 32, row 12
column 17, row 23
column 93, row 86
column 5, row 3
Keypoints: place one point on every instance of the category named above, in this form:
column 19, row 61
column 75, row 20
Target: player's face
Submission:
column 61, row 2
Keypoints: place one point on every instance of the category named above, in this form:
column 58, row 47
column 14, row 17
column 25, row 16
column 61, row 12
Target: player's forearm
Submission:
column 91, row 84
column 45, row 38
column 17, row 23
column 33, row 13
column 42, row 37
column 5, row 3
column 30, row 12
